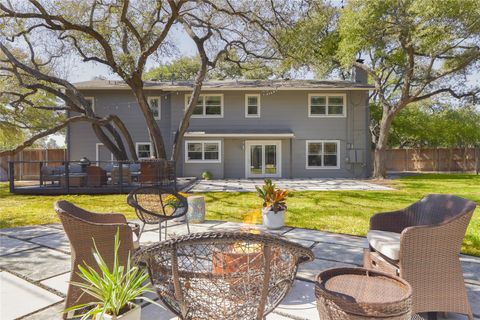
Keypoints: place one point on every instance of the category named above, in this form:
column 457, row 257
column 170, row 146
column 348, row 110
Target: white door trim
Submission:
column 97, row 152
column 277, row 143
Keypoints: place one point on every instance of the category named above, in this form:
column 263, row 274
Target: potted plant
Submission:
column 274, row 206
column 115, row 289
column 207, row 175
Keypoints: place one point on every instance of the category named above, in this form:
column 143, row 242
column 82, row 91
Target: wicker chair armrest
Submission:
column 135, row 228
column 393, row 221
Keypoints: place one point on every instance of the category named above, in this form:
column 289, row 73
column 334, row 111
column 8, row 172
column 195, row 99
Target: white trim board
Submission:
column 97, row 152
column 201, row 134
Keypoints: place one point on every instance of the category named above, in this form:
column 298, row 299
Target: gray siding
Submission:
column 282, row 110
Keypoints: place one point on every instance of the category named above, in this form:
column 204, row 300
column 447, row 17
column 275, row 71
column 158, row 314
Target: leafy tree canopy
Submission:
column 432, row 125
column 186, row 68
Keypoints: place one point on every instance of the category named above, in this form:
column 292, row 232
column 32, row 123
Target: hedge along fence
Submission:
column 434, row 159
column 31, row 171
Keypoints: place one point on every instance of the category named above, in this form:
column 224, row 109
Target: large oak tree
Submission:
column 412, row 50
column 125, row 35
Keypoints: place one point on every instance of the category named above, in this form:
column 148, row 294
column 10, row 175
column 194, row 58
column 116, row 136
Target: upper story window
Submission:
column 91, row 101
column 154, row 104
column 208, row 106
column 202, row 151
column 252, row 105
column 144, row 150
column 327, row 105
column 323, row 154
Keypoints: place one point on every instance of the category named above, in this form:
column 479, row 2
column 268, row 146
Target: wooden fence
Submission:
column 435, row 159
column 31, row 171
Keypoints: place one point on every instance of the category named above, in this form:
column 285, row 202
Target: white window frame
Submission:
column 249, row 143
column 258, row 106
column 92, row 99
column 322, row 167
column 203, row 96
column 203, row 151
column 143, row 143
column 310, row 115
column 159, row 117
column 97, row 152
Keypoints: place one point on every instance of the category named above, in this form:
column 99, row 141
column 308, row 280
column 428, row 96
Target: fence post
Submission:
column 67, row 176
column 40, row 173
column 11, row 176
column 120, row 178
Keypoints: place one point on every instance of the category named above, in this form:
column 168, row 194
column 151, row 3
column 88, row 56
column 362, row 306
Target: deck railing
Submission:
column 90, row 177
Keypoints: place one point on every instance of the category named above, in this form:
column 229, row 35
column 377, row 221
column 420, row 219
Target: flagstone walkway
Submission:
column 248, row 185
column 35, row 264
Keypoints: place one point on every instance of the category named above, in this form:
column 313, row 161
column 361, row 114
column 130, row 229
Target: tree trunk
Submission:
column 182, row 128
column 136, row 83
column 379, row 165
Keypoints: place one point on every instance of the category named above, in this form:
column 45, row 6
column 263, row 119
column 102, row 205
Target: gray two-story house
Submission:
column 244, row 129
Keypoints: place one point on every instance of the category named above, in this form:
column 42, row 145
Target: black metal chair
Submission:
column 155, row 205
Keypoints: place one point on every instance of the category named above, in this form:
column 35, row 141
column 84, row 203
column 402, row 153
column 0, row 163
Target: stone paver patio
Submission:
column 248, row 185
column 35, row 264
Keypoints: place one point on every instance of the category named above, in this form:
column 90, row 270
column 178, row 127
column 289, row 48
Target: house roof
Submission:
column 226, row 85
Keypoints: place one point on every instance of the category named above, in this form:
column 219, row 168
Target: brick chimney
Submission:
column 359, row 75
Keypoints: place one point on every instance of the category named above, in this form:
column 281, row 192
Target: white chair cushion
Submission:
column 387, row 243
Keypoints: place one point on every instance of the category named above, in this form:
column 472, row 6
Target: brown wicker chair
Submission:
column 431, row 234
column 81, row 227
column 155, row 205
column 223, row 275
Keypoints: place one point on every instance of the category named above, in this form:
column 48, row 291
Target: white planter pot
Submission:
column 273, row 220
column 133, row 314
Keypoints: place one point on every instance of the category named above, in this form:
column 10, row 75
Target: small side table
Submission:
column 196, row 209
column 358, row 293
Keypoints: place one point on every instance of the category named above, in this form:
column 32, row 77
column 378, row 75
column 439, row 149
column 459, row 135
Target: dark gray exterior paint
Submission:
column 281, row 111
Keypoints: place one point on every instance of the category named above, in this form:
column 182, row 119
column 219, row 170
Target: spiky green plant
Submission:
column 113, row 289
column 273, row 197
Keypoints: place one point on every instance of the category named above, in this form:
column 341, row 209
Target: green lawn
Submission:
column 335, row 211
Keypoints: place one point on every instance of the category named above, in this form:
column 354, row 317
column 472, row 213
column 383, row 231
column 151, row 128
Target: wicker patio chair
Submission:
column 82, row 227
column 223, row 275
column 155, row 205
column 430, row 234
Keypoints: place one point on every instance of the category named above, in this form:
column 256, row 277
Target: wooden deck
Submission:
column 33, row 188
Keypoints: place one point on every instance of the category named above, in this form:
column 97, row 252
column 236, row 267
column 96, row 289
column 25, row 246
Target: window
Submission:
column 154, row 103
column 208, row 106
column 331, row 105
column 144, row 150
column 202, row 151
column 252, row 105
column 323, row 154
column 91, row 101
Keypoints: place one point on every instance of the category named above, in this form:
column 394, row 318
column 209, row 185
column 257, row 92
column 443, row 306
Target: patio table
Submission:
column 358, row 293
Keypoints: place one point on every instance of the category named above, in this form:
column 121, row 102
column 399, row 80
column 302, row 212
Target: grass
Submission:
column 335, row 211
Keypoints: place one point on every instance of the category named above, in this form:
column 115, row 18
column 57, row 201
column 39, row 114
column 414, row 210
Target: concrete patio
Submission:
column 248, row 185
column 35, row 264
